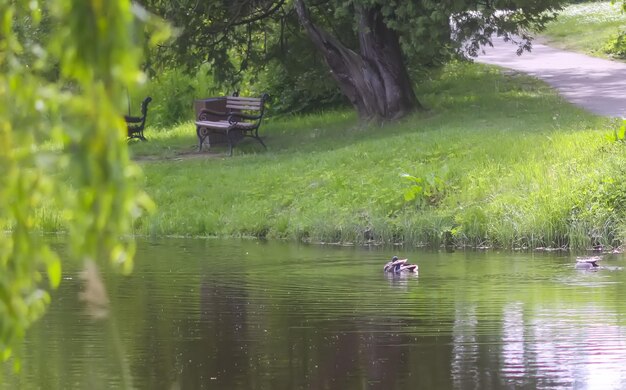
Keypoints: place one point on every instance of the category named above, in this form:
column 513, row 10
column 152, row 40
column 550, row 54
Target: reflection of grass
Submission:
column 513, row 166
column 586, row 27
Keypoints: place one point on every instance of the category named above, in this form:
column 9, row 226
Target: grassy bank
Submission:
column 586, row 27
column 497, row 160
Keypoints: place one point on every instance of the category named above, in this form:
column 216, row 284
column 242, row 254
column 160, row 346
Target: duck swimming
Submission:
column 589, row 263
column 400, row 265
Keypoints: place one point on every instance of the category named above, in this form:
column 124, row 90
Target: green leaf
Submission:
column 54, row 272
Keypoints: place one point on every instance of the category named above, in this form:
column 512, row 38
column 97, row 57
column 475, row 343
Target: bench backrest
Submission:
column 144, row 107
column 243, row 103
column 238, row 104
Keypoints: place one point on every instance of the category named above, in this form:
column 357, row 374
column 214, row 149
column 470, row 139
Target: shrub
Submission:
column 173, row 93
column 616, row 45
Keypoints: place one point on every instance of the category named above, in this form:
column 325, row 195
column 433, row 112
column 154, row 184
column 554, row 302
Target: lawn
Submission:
column 496, row 160
column 586, row 27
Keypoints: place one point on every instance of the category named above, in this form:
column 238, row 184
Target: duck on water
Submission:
column 589, row 263
column 400, row 265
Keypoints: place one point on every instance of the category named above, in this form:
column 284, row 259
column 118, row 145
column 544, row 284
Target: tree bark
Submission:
column 375, row 80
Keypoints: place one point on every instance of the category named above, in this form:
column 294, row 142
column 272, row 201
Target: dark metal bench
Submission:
column 242, row 118
column 136, row 124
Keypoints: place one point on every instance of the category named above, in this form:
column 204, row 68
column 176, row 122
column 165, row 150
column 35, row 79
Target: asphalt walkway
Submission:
column 595, row 84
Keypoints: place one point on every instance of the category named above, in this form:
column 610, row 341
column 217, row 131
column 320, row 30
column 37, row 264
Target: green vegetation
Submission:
column 594, row 28
column 376, row 50
column 174, row 91
column 498, row 160
column 63, row 68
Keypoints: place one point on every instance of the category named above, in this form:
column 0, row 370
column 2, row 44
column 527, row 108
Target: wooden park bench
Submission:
column 136, row 124
column 241, row 118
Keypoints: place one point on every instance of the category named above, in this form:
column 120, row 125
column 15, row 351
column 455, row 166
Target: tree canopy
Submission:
column 373, row 48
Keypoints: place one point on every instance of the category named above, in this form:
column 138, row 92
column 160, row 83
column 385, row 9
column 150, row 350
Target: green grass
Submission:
column 497, row 160
column 586, row 27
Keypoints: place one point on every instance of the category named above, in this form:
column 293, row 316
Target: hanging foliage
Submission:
column 63, row 68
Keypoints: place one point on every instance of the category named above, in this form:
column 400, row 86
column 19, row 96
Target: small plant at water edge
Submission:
column 428, row 190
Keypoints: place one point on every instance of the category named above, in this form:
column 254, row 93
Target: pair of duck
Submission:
column 399, row 266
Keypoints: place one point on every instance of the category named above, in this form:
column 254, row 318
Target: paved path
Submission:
column 593, row 83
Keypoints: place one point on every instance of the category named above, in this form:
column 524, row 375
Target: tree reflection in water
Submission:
column 306, row 317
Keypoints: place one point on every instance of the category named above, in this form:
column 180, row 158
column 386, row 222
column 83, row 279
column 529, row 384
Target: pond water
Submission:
column 216, row 314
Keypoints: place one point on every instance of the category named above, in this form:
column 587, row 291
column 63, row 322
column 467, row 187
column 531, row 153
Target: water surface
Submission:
column 220, row 314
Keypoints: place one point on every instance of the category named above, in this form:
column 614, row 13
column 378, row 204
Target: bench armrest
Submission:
column 236, row 116
column 206, row 111
column 132, row 119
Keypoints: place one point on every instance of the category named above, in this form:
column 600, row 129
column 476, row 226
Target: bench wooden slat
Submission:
column 220, row 124
column 243, row 103
column 243, row 107
column 225, row 124
column 243, row 99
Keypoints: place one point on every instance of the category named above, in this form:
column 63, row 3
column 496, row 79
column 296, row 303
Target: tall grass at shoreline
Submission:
column 498, row 160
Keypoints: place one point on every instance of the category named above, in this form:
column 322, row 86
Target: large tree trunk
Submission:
column 375, row 81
